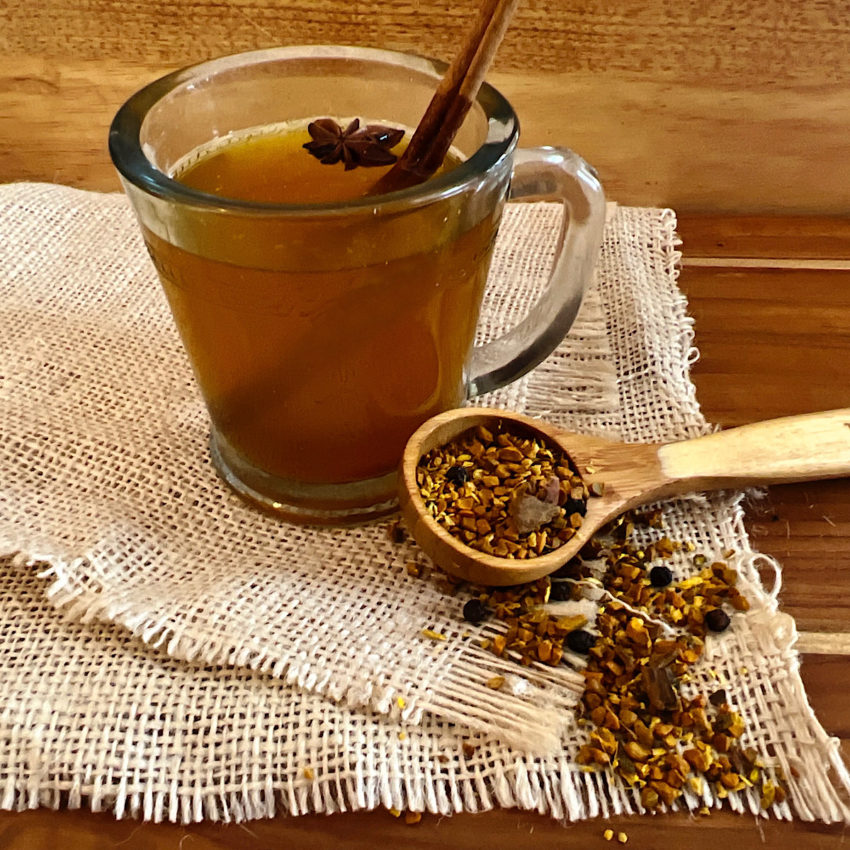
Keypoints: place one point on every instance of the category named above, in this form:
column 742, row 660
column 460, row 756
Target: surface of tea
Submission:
column 271, row 166
column 321, row 343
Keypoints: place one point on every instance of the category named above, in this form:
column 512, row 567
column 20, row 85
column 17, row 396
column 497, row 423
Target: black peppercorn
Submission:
column 575, row 506
column 580, row 641
column 560, row 591
column 457, row 475
column 475, row 611
column 660, row 576
column 717, row 620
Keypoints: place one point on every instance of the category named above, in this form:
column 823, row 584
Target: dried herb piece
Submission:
column 718, row 698
column 658, row 680
column 397, row 533
column 367, row 146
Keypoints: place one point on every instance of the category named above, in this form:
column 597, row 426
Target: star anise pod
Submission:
column 368, row 146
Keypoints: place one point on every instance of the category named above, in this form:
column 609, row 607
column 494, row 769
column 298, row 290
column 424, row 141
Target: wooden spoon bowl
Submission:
column 795, row 448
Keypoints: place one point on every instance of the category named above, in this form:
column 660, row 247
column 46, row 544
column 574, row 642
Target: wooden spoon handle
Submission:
column 795, row 448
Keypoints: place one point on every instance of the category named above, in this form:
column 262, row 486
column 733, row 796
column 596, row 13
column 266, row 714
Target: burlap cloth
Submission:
column 167, row 651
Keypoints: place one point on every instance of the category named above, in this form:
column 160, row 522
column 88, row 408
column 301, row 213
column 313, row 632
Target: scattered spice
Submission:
column 643, row 727
column 561, row 591
column 648, row 636
column 580, row 641
column 396, row 532
column 717, row 698
column 475, row 611
column 717, row 620
column 412, row 818
column 505, row 494
column 367, row 146
column 608, row 834
column 622, row 837
column 532, row 634
column 660, row 576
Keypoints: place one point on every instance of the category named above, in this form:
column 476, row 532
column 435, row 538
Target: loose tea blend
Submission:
column 647, row 636
column 502, row 493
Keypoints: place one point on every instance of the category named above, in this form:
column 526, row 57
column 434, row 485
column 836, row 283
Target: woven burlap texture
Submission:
column 282, row 667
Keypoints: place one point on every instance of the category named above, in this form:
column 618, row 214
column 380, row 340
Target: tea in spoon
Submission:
column 795, row 448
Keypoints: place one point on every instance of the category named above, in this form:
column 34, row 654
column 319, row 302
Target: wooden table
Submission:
column 715, row 110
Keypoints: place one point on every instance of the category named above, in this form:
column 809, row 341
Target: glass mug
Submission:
column 321, row 335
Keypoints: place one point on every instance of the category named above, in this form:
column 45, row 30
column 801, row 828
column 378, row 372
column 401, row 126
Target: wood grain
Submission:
column 770, row 42
column 699, row 106
column 774, row 342
column 662, row 143
column 807, row 529
column 790, row 238
column 776, row 451
column 511, row 830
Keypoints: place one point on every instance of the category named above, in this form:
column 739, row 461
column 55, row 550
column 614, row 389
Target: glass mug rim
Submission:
column 128, row 156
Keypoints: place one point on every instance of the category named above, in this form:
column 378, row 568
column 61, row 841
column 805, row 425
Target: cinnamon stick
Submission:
column 451, row 102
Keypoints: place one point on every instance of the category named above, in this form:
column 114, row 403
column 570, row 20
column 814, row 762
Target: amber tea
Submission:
column 327, row 298
column 321, row 348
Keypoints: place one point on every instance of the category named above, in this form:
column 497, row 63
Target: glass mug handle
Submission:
column 547, row 174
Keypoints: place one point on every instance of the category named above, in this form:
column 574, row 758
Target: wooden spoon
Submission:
column 795, row 448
